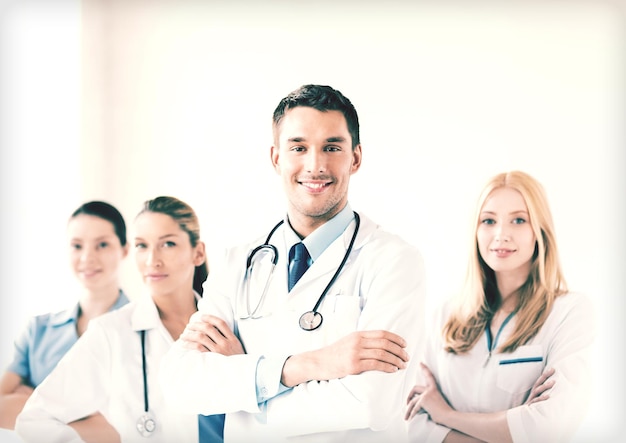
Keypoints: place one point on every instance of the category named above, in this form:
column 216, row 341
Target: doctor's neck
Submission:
column 304, row 224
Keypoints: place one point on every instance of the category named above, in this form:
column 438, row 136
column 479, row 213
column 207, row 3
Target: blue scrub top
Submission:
column 45, row 340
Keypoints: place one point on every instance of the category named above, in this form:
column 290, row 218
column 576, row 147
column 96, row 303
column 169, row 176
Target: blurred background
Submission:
column 127, row 100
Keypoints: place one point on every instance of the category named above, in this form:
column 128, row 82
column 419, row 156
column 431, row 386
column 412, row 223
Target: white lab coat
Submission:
column 103, row 372
column 381, row 287
column 473, row 382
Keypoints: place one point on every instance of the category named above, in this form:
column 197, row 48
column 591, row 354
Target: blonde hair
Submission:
column 479, row 298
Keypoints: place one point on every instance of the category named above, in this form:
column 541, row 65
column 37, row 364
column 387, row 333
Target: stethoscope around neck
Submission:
column 310, row 320
column 145, row 424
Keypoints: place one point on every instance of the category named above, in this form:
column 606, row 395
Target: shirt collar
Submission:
column 317, row 241
column 145, row 316
column 66, row 316
column 71, row 315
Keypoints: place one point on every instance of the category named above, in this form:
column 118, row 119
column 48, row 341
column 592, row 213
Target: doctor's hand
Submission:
column 207, row 333
column 353, row 354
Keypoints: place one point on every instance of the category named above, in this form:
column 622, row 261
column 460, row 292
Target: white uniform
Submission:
column 381, row 287
column 475, row 382
column 103, row 372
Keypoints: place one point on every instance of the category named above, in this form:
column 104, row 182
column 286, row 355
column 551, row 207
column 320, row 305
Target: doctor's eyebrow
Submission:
column 337, row 139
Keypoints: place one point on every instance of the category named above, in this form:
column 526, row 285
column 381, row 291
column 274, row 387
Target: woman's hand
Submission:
column 207, row 333
column 427, row 398
column 544, row 383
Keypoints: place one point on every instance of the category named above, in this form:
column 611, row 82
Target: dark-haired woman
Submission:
column 96, row 234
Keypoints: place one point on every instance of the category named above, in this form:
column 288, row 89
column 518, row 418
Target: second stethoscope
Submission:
column 310, row 320
column 145, row 424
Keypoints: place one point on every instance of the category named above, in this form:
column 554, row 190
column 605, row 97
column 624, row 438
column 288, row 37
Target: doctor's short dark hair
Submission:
column 323, row 98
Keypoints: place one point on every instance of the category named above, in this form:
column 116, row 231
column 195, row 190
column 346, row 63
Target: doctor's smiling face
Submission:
column 313, row 154
column 164, row 254
column 316, row 149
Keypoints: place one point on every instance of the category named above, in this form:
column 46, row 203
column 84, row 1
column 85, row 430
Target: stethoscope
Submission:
column 145, row 424
column 310, row 320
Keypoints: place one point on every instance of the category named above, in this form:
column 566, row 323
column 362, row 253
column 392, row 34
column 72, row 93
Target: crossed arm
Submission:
column 357, row 352
column 14, row 393
column 466, row 426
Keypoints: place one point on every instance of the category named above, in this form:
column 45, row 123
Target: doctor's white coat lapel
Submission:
column 317, row 277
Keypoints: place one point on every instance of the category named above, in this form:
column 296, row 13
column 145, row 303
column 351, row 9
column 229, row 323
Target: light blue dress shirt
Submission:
column 316, row 243
column 46, row 339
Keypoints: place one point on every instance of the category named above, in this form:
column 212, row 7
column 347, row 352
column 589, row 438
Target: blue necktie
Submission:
column 211, row 428
column 298, row 263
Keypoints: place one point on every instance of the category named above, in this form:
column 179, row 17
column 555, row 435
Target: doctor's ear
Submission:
column 357, row 156
column 274, row 155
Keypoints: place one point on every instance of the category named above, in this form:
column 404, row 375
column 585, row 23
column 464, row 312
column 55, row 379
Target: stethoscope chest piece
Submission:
column 146, row 425
column 310, row 320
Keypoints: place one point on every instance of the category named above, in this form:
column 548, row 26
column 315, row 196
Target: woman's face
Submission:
column 506, row 241
column 164, row 255
column 96, row 252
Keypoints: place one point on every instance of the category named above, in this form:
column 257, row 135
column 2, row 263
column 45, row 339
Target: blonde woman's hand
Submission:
column 428, row 398
column 539, row 391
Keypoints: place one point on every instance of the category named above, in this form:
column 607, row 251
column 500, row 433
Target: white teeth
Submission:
column 314, row 185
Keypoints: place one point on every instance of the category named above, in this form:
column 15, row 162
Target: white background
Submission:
column 125, row 101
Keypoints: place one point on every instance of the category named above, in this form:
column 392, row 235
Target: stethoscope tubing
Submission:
column 146, row 405
column 274, row 251
column 357, row 220
column 146, row 424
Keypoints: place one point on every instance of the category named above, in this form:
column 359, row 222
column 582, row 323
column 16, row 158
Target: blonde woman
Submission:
column 509, row 360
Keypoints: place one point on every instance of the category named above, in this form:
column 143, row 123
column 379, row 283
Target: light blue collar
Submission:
column 317, row 241
column 71, row 315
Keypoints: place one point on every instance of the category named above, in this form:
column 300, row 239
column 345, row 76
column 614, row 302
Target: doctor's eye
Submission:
column 103, row 245
column 332, row 148
column 76, row 246
column 519, row 220
column 298, row 148
column 140, row 245
column 488, row 221
column 169, row 244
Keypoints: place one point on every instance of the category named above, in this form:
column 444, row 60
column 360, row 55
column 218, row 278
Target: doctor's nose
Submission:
column 315, row 161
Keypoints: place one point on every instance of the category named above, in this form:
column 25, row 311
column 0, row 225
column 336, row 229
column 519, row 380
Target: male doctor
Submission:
column 325, row 360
